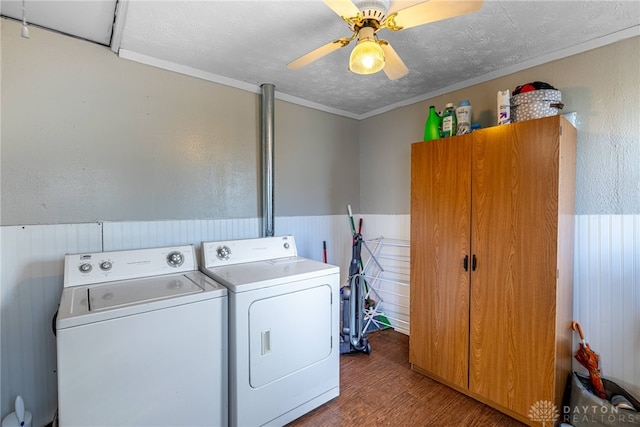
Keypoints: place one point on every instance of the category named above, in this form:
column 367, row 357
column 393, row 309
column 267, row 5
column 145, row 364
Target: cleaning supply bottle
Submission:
column 504, row 107
column 449, row 121
column 463, row 114
column 433, row 125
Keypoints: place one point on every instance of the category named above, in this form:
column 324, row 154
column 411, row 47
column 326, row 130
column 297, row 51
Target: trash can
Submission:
column 20, row 417
column 11, row 420
column 585, row 409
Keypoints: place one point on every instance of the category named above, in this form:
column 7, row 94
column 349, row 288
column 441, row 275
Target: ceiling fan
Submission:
column 366, row 17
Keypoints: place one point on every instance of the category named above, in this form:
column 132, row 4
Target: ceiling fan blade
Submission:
column 397, row 5
column 318, row 53
column 394, row 68
column 344, row 8
column 432, row 11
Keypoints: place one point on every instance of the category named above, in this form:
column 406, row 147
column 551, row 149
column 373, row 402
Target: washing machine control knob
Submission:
column 286, row 245
column 223, row 252
column 85, row 268
column 175, row 259
column 105, row 265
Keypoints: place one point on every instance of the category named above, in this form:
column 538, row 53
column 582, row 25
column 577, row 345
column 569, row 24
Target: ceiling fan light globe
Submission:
column 366, row 58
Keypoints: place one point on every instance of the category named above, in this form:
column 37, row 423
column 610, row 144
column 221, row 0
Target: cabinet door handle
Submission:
column 474, row 262
column 465, row 263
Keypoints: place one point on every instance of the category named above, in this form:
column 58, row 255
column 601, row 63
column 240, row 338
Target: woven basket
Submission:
column 535, row 104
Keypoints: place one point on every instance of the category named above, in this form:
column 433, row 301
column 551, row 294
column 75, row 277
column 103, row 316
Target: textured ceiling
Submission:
column 248, row 43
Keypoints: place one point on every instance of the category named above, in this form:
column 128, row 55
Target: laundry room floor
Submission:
column 380, row 389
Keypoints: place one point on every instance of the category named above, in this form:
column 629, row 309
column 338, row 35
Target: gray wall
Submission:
column 601, row 86
column 89, row 137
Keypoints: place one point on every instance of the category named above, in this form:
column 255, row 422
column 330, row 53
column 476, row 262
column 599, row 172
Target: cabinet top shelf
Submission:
column 562, row 119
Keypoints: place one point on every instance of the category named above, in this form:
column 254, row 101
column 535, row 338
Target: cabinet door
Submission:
column 514, row 236
column 440, row 227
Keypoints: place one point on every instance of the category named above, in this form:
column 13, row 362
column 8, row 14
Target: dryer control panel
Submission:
column 229, row 252
column 99, row 267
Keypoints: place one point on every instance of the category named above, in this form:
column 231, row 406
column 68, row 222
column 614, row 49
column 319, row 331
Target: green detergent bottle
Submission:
column 433, row 125
column 449, row 121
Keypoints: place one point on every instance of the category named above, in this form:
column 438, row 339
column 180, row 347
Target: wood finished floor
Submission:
column 380, row 389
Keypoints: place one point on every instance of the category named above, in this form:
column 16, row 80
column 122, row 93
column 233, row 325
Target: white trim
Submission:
column 118, row 26
column 316, row 106
column 551, row 56
column 189, row 71
column 193, row 72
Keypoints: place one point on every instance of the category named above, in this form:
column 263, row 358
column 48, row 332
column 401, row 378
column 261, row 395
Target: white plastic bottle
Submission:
column 504, row 107
column 463, row 114
column 449, row 121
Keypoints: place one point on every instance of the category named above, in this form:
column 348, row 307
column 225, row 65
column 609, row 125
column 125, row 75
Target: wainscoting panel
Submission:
column 386, row 269
column 150, row 234
column 387, row 226
column 387, row 236
column 32, row 260
column 311, row 231
column 607, row 294
column 32, row 272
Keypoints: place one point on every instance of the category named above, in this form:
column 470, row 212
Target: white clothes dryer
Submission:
column 283, row 328
column 141, row 341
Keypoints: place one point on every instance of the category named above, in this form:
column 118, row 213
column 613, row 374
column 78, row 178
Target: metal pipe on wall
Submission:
column 266, row 144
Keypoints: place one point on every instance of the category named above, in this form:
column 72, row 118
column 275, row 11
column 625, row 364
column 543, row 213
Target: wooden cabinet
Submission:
column 492, row 217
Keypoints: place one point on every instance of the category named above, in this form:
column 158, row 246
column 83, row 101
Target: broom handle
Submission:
column 353, row 225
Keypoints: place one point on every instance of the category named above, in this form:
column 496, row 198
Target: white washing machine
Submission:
column 283, row 328
column 141, row 341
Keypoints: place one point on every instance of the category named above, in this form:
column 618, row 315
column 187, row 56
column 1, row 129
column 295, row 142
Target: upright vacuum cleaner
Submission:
column 353, row 296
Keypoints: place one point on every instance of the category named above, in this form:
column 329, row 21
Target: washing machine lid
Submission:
column 81, row 305
column 262, row 274
column 120, row 294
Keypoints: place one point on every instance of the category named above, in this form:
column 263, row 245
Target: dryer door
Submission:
column 288, row 332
